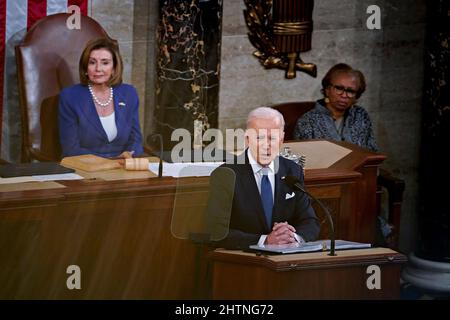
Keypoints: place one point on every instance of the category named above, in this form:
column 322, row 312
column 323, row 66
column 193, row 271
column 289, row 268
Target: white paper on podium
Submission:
column 53, row 177
column 312, row 246
column 46, row 177
column 185, row 169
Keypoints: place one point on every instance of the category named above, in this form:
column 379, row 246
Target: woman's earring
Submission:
column 327, row 100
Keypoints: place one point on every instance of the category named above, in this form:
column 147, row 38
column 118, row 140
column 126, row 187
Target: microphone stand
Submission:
column 295, row 183
column 155, row 137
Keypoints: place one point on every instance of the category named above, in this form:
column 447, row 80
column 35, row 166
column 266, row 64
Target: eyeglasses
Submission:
column 340, row 91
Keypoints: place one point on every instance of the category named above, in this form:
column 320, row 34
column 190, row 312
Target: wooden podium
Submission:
column 116, row 226
column 239, row 275
column 344, row 177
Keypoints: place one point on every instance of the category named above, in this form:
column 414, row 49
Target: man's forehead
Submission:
column 265, row 123
column 265, row 130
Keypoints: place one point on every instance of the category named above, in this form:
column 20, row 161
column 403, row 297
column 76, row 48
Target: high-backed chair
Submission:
column 47, row 61
column 291, row 111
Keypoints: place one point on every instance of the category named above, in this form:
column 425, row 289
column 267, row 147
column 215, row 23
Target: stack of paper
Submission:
column 311, row 246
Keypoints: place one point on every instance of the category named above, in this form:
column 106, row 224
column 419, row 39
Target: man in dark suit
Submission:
column 256, row 206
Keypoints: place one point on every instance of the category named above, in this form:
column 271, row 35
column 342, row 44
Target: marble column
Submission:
column 429, row 266
column 188, row 66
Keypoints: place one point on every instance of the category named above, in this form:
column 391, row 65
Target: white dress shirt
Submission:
column 109, row 125
column 258, row 173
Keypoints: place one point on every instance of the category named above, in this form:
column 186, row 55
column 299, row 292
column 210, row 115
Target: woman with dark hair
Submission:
column 337, row 117
column 100, row 114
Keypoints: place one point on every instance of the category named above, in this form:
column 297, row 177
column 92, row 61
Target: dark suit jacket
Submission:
column 81, row 131
column 247, row 222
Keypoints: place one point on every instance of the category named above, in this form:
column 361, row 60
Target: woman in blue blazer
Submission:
column 100, row 115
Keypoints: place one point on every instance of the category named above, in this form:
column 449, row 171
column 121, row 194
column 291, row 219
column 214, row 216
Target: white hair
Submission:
column 265, row 113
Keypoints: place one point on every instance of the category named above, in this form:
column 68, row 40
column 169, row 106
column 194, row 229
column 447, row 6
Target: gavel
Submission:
column 136, row 164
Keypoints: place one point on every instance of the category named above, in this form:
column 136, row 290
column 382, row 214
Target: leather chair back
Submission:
column 47, row 61
column 291, row 111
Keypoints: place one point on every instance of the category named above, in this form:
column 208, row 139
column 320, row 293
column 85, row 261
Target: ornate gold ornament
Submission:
column 280, row 30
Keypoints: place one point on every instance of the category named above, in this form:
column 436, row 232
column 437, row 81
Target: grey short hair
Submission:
column 265, row 113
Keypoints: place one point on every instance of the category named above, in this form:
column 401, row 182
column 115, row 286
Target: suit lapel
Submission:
column 119, row 109
column 90, row 112
column 280, row 189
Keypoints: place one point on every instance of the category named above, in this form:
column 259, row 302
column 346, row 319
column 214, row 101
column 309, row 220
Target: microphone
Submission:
column 155, row 137
column 294, row 183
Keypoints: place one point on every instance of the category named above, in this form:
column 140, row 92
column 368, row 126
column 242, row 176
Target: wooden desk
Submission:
column 119, row 233
column 238, row 275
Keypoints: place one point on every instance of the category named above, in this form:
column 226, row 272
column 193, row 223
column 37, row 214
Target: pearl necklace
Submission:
column 102, row 104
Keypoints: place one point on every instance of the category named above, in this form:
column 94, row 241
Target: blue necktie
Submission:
column 266, row 197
